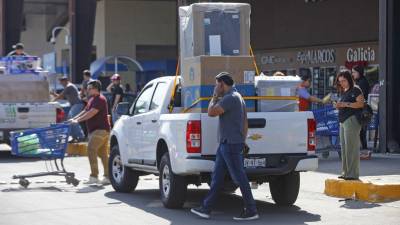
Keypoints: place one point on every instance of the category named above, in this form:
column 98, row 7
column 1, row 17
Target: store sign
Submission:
column 271, row 60
column 316, row 56
column 360, row 54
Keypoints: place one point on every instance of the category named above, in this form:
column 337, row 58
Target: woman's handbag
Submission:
column 365, row 115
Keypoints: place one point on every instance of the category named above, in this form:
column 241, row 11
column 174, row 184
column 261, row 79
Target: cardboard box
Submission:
column 201, row 70
column 198, row 78
column 214, row 29
column 24, row 91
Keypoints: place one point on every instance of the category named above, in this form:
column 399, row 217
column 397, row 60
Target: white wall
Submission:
column 121, row 25
column 99, row 38
column 34, row 38
column 131, row 23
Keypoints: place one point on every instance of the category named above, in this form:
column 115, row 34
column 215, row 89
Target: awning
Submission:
column 97, row 66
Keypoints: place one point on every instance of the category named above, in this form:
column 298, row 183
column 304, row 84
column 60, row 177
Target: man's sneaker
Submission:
column 201, row 212
column 246, row 215
column 105, row 181
column 92, row 180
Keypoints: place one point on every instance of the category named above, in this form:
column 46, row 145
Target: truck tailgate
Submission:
column 269, row 133
column 27, row 115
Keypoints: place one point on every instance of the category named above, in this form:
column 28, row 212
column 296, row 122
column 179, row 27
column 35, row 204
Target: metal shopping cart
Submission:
column 49, row 143
column 328, row 126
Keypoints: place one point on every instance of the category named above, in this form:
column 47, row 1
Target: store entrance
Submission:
column 323, row 81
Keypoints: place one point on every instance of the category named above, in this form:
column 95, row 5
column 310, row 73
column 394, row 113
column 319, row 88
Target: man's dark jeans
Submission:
column 230, row 158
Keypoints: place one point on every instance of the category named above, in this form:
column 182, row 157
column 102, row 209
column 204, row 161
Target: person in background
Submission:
column 95, row 116
column 350, row 103
column 117, row 94
column 18, row 50
column 87, row 77
column 71, row 94
column 229, row 105
column 362, row 82
column 305, row 98
column 128, row 88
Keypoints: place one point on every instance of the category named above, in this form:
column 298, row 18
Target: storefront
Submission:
column 322, row 63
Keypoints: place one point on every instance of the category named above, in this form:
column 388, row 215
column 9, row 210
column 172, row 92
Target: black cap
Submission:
column 87, row 73
column 63, row 78
column 305, row 77
column 226, row 78
column 18, row 46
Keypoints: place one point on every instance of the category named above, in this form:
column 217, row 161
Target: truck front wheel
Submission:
column 123, row 178
column 173, row 188
column 285, row 189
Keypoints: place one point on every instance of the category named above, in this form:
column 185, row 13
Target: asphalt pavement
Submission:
column 49, row 200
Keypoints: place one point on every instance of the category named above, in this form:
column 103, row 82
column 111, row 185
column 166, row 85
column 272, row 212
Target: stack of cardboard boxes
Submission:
column 20, row 82
column 214, row 38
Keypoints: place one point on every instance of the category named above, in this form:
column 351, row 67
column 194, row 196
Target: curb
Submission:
column 77, row 149
column 364, row 191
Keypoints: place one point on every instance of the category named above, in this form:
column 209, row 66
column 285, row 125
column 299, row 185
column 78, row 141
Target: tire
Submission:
column 122, row 178
column 173, row 188
column 325, row 154
column 285, row 189
column 24, row 182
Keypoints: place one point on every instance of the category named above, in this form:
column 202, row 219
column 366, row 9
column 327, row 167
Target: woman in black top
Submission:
column 362, row 83
column 350, row 104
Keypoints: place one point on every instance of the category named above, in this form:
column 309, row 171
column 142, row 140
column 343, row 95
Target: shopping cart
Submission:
column 328, row 126
column 374, row 126
column 49, row 143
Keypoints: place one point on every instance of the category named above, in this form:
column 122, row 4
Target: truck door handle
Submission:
column 153, row 121
column 256, row 123
column 138, row 123
column 23, row 109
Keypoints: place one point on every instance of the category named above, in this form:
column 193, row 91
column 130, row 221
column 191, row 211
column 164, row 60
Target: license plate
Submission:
column 255, row 162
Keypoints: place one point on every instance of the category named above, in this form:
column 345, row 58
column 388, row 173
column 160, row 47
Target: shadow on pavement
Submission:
column 227, row 206
column 374, row 167
column 15, row 159
column 34, row 189
column 353, row 204
column 90, row 189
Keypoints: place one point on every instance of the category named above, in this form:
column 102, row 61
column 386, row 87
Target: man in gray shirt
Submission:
column 87, row 77
column 71, row 94
column 229, row 105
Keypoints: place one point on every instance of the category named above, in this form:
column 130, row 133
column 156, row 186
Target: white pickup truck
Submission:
column 180, row 147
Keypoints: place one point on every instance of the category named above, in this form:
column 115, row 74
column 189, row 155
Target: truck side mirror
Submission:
column 123, row 108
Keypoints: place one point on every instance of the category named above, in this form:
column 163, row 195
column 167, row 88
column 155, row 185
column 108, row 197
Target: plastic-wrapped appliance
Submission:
column 277, row 87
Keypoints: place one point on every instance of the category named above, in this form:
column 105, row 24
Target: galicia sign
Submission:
column 360, row 54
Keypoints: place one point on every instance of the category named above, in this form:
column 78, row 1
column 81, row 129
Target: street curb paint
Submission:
column 77, row 149
column 364, row 191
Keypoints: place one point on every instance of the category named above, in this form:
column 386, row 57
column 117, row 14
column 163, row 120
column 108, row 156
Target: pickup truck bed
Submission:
column 20, row 116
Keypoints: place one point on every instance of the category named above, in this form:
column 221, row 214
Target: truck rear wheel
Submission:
column 122, row 178
column 173, row 188
column 285, row 189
